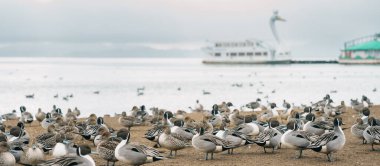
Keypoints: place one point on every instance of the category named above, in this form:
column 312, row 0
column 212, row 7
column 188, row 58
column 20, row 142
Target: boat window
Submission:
column 241, row 53
column 250, row 53
column 265, row 53
column 258, row 53
column 218, row 45
column 217, row 54
column 233, row 54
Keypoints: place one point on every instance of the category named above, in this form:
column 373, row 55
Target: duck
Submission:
column 34, row 154
column 70, row 116
column 316, row 127
column 126, row 121
column 10, row 116
column 106, row 147
column 296, row 139
column 82, row 158
column 48, row 140
column 154, row 133
column 40, row 116
column 330, row 142
column 372, row 132
column 6, row 158
column 76, row 111
column 173, row 141
column 358, row 128
column 269, row 138
column 357, row 106
column 57, row 113
column 135, row 154
column 49, row 120
column 16, row 142
column 235, row 118
column 20, row 133
column 216, row 120
column 236, row 139
column 63, row 148
column 93, row 130
column 26, row 117
column 249, row 129
column 209, row 143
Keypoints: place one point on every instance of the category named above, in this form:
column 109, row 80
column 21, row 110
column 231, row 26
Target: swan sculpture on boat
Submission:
column 250, row 51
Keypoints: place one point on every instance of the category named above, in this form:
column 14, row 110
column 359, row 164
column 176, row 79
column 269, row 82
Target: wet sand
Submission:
column 353, row 153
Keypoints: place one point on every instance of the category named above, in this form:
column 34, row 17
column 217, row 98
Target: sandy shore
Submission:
column 354, row 153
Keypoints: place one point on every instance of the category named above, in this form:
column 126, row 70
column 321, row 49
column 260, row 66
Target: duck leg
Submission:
column 232, row 151
column 299, row 154
column 273, row 150
column 175, row 153
column 265, row 151
column 212, row 156
column 329, row 157
column 373, row 149
column 206, row 156
column 171, row 153
column 108, row 162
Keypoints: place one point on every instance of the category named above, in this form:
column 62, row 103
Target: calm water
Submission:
column 117, row 79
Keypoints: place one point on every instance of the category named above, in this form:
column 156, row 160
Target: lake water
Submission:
column 117, row 80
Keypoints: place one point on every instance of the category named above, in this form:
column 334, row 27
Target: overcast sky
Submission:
column 314, row 28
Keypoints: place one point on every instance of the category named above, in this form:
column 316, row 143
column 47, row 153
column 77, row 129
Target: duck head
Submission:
column 83, row 150
column 337, row 121
column 22, row 109
column 100, row 121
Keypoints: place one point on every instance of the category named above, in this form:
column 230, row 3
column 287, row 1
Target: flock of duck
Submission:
column 223, row 128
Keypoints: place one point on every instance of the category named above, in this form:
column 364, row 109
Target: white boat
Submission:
column 250, row 51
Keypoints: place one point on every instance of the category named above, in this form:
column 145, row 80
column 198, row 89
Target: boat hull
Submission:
column 359, row 61
column 214, row 61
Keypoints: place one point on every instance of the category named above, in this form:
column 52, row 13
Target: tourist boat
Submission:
column 364, row 50
column 250, row 51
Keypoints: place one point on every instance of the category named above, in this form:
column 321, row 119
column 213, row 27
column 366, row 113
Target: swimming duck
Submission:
column 209, row 143
column 81, row 159
column 135, row 154
column 358, row 128
column 173, row 141
column 372, row 132
column 330, row 142
column 40, row 116
column 296, row 139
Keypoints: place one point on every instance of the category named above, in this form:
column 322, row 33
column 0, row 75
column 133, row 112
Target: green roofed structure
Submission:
column 364, row 50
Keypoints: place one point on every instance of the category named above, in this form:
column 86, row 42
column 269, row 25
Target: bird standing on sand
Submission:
column 135, row 154
column 209, row 143
column 330, row 142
